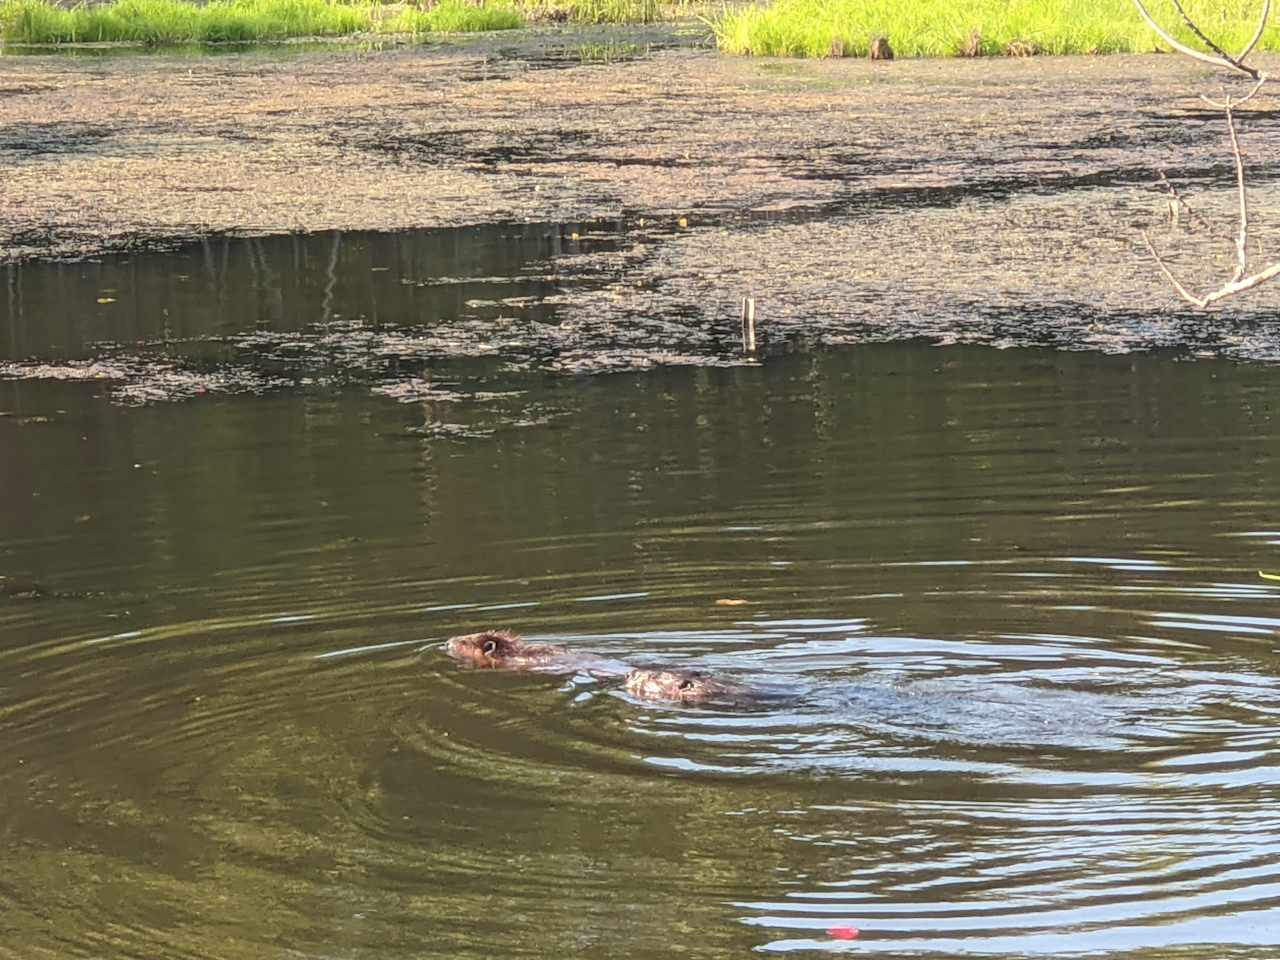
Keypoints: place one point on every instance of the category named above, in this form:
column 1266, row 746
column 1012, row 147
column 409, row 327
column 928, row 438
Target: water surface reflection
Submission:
column 1032, row 701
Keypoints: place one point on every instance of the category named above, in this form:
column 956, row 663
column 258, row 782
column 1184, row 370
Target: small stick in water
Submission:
column 749, row 324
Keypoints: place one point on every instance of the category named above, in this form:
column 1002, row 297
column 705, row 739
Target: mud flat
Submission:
column 961, row 200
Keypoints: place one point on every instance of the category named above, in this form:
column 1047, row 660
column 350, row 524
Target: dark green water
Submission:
column 1020, row 586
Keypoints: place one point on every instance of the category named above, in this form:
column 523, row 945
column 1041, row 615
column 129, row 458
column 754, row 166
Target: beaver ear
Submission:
column 489, row 647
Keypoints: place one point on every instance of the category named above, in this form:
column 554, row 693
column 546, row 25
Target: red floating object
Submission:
column 843, row 933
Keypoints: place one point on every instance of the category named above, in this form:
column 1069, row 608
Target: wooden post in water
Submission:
column 749, row 324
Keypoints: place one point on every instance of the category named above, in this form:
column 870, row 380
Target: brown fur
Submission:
column 502, row 650
column 678, row 686
column 880, row 49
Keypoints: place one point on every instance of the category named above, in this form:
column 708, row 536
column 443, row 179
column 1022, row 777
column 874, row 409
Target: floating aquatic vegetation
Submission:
column 142, row 380
column 417, row 390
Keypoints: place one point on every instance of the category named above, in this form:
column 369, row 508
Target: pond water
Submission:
column 1032, row 673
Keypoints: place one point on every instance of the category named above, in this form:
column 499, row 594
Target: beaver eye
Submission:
column 686, row 684
column 489, row 647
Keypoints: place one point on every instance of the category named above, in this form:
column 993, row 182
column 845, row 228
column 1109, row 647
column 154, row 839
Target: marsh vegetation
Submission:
column 789, row 28
column 949, row 28
column 174, row 21
column 229, row 21
column 456, row 16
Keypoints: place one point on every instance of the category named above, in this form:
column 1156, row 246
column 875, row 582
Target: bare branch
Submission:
column 1192, row 51
column 1242, row 239
column 1222, row 104
column 1262, row 28
column 1240, row 278
column 1164, row 267
column 1238, row 285
column 1191, row 24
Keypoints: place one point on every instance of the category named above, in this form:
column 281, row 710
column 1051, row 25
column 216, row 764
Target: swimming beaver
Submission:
column 680, row 686
column 504, row 650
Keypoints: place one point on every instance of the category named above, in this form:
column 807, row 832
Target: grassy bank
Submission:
column 454, row 16
column 173, row 21
column 464, row 16
column 181, row 21
column 948, row 28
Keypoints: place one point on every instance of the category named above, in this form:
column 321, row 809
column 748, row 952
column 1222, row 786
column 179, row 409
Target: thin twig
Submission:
column 1222, row 104
column 1239, row 281
column 1191, row 51
column 1182, row 291
column 1242, row 239
column 1239, row 286
column 1234, row 61
column 1262, row 28
column 1226, row 290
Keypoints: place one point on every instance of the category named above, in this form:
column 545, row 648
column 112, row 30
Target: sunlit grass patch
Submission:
column 176, row 21
column 945, row 28
column 184, row 21
column 31, row 21
column 456, row 16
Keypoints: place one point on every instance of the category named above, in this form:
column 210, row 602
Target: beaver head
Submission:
column 499, row 649
column 678, row 686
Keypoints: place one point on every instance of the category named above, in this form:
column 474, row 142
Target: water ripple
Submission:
column 1015, row 689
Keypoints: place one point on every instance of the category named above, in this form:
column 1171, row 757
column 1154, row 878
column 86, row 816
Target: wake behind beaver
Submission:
column 974, row 710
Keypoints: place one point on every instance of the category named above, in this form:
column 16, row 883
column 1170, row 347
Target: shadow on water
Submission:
column 318, row 311
column 223, row 288
column 245, row 315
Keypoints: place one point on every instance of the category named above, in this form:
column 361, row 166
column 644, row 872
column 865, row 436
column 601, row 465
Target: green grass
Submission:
column 175, row 21
column 944, row 28
column 182, row 21
column 456, row 16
